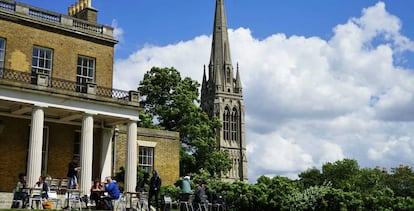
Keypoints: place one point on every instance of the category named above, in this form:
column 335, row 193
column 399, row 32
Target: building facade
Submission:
column 222, row 97
column 57, row 99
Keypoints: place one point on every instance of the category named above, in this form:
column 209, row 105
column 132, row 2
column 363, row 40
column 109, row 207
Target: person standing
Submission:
column 154, row 189
column 72, row 174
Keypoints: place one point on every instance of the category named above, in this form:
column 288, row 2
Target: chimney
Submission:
column 83, row 10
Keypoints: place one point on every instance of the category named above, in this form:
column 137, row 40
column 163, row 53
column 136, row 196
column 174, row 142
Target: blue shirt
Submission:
column 113, row 190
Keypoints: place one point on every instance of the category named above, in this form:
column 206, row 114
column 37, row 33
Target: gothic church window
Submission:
column 228, row 75
column 226, row 124
column 234, row 124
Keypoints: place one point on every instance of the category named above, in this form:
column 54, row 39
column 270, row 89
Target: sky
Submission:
column 323, row 80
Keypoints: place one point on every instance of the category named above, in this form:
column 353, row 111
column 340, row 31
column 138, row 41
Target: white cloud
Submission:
column 118, row 31
column 320, row 100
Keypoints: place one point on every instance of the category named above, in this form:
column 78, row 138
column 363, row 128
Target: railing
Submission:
column 44, row 15
column 62, row 84
column 85, row 25
column 7, row 6
column 55, row 18
column 15, row 76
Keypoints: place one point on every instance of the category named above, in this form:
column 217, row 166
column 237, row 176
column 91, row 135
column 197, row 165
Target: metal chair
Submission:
column 187, row 203
column 36, row 196
column 54, row 184
column 74, row 198
column 53, row 197
column 120, row 203
column 63, row 186
column 203, row 205
column 142, row 202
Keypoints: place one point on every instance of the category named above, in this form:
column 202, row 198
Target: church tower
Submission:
column 222, row 97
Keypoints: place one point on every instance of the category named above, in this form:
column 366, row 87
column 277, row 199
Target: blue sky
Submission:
column 322, row 80
column 163, row 22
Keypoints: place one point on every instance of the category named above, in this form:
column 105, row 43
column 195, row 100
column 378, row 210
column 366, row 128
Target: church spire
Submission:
column 222, row 98
column 220, row 57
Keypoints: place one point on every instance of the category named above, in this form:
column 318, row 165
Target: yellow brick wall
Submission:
column 15, row 139
column 166, row 152
column 20, row 40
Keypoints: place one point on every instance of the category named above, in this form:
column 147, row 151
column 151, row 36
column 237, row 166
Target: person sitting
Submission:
column 186, row 186
column 96, row 192
column 141, row 184
column 200, row 192
column 43, row 186
column 113, row 193
column 19, row 193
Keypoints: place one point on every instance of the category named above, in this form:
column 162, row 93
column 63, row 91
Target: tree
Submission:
column 171, row 103
column 341, row 173
column 311, row 177
column 401, row 181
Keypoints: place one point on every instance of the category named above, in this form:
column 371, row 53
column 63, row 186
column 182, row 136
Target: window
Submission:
column 234, row 124
column 45, row 149
column 76, row 144
column 228, row 75
column 85, row 73
column 226, row 124
column 2, row 52
column 146, row 158
column 41, row 61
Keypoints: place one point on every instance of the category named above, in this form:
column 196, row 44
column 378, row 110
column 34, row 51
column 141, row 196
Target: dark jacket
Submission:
column 155, row 182
column 71, row 169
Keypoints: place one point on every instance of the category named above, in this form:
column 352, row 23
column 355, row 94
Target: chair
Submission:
column 53, row 197
column 120, row 203
column 36, row 196
column 142, row 203
column 74, row 198
column 167, row 203
column 54, row 184
column 20, row 199
column 63, row 186
column 186, row 201
column 203, row 205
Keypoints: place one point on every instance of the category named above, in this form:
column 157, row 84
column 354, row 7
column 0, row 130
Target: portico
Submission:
column 92, row 114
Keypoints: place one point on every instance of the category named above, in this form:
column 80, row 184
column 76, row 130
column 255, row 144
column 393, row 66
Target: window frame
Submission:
column 44, row 60
column 146, row 161
column 2, row 53
column 83, row 72
column 226, row 123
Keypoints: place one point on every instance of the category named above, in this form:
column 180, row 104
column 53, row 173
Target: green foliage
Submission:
column 356, row 189
column 341, row 173
column 172, row 102
column 311, row 177
column 401, row 181
column 309, row 199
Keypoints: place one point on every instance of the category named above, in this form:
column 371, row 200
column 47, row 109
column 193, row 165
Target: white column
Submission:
column 86, row 156
column 34, row 160
column 106, row 156
column 131, row 158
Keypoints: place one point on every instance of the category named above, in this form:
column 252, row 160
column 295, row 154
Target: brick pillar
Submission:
column 86, row 156
column 34, row 160
column 131, row 158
